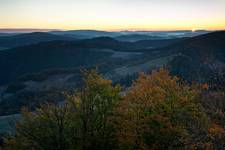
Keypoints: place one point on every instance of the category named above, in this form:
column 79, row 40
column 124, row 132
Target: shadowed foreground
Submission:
column 157, row 112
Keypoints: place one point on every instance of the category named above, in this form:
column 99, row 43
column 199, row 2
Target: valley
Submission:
column 112, row 75
column 42, row 70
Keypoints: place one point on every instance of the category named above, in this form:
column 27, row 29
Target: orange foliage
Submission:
column 156, row 113
column 205, row 86
column 216, row 130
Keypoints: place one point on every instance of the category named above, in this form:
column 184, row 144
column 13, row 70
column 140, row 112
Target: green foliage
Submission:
column 157, row 112
column 94, row 106
column 46, row 128
column 83, row 122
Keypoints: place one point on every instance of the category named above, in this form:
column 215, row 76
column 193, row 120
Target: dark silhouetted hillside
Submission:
column 29, row 38
column 199, row 57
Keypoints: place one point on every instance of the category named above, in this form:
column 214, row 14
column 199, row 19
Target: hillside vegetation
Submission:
column 157, row 112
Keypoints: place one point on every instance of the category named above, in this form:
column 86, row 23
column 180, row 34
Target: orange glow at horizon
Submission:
column 113, row 15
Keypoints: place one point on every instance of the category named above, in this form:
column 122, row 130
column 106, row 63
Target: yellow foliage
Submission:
column 158, row 112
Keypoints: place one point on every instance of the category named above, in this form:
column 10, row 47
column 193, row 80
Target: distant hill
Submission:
column 199, row 57
column 202, row 54
column 130, row 35
column 85, row 34
column 33, row 74
column 167, row 34
column 8, row 34
column 64, row 54
column 196, row 55
column 24, row 30
column 136, row 37
column 29, row 38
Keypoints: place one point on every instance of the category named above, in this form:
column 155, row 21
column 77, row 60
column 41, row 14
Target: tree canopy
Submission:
column 157, row 112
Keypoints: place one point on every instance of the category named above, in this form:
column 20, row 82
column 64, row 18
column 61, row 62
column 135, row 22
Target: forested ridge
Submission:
column 158, row 111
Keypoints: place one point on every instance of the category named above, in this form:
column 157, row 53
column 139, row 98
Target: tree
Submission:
column 214, row 104
column 46, row 128
column 160, row 113
column 83, row 122
column 94, row 106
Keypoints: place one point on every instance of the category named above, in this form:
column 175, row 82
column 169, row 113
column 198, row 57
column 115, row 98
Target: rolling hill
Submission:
column 130, row 35
column 64, row 54
column 36, row 72
column 200, row 57
column 85, row 34
column 136, row 37
column 29, row 38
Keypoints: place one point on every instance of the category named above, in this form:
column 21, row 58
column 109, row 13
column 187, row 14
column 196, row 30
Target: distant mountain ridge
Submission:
column 24, row 30
column 82, row 34
column 199, row 57
column 204, row 49
column 13, row 39
column 59, row 54
column 29, row 38
column 136, row 37
column 31, row 74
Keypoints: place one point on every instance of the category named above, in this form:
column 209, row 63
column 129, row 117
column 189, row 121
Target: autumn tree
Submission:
column 94, row 106
column 46, row 128
column 159, row 112
column 214, row 104
column 82, row 122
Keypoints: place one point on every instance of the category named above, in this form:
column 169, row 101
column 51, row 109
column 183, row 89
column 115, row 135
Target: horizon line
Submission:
column 113, row 30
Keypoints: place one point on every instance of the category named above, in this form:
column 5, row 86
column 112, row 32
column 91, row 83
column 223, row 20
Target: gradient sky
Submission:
column 113, row 14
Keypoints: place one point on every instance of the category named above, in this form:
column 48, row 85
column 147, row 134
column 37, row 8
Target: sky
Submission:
column 113, row 14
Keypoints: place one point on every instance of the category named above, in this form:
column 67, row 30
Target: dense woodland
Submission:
column 158, row 111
